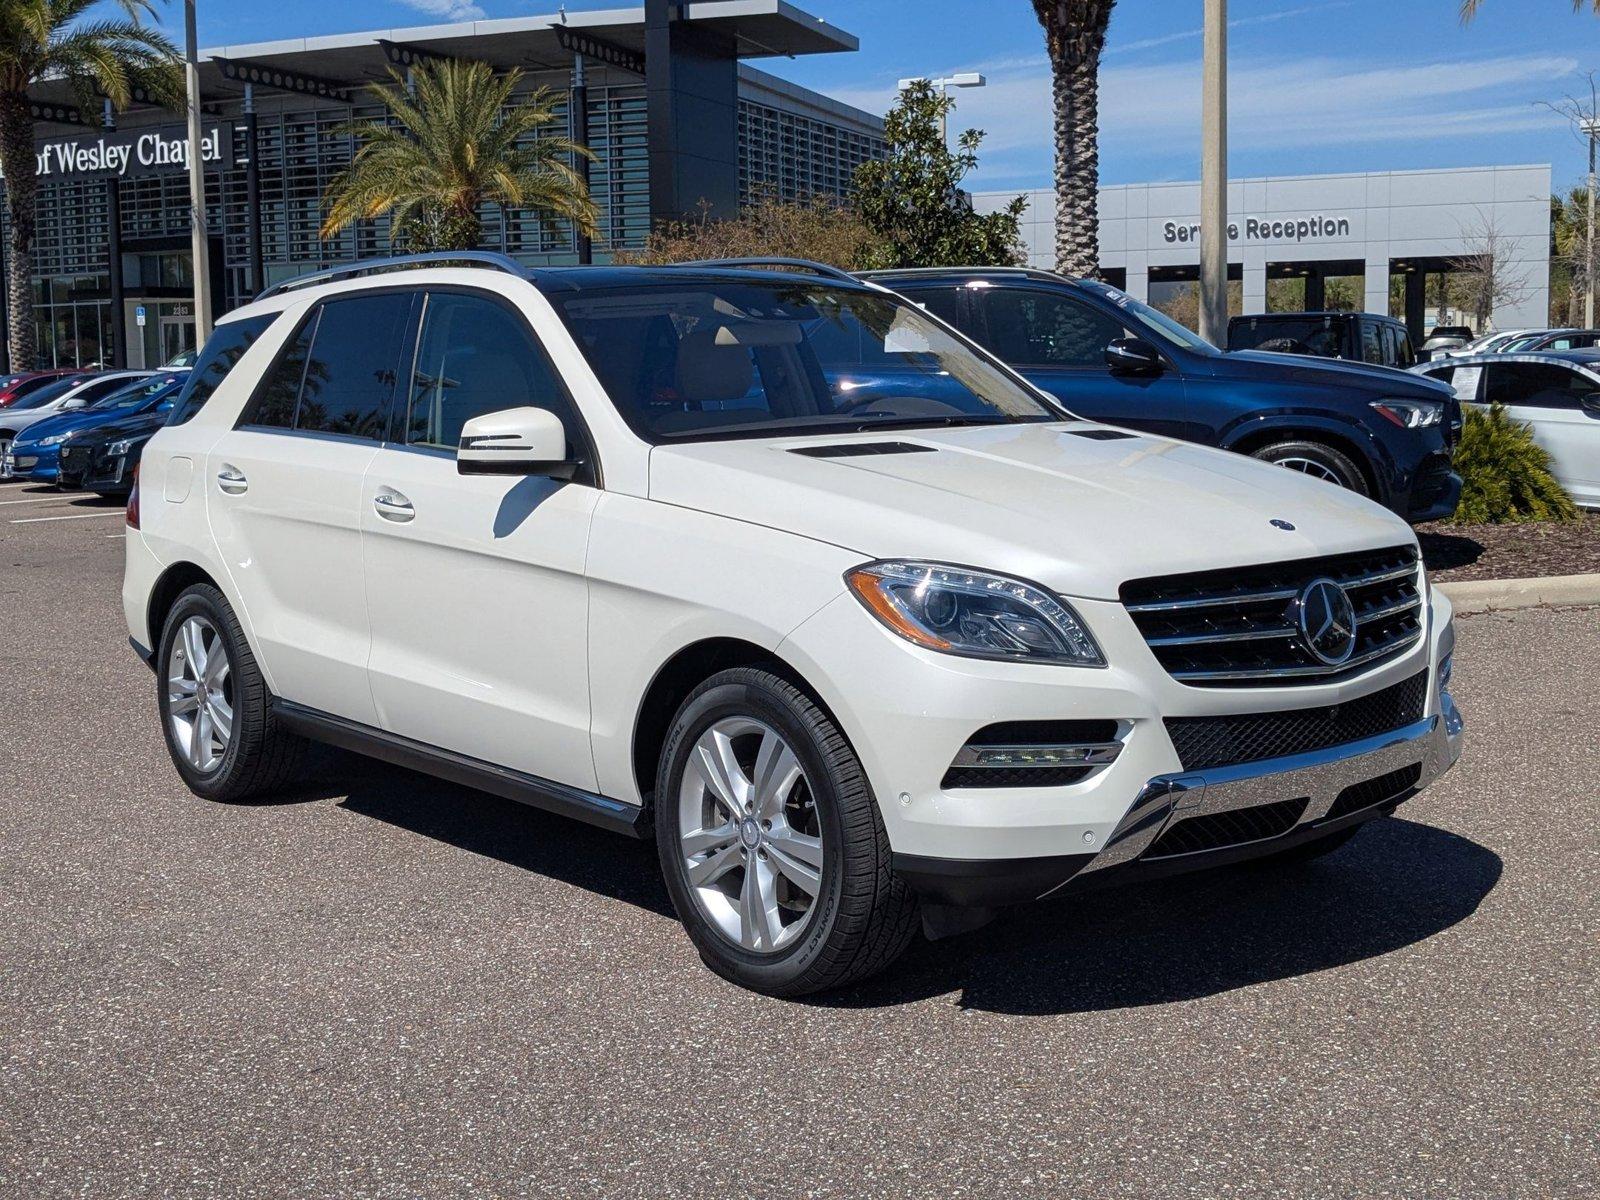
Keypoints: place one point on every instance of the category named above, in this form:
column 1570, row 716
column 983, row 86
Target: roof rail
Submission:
column 792, row 264
column 400, row 262
column 1025, row 272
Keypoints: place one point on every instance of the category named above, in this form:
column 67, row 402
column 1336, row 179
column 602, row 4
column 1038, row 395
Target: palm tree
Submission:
column 113, row 57
column 1469, row 8
column 1075, row 34
column 460, row 141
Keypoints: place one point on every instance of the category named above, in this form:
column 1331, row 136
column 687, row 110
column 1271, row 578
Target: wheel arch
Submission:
column 685, row 670
column 1249, row 440
column 169, row 585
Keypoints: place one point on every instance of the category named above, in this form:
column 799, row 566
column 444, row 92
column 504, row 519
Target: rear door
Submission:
column 1550, row 397
column 1059, row 341
column 284, row 497
column 475, row 583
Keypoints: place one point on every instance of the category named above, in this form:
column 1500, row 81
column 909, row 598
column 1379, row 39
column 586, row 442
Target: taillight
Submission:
column 133, row 501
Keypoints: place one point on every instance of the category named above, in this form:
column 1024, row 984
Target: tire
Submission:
column 1307, row 851
column 1320, row 461
column 860, row 917
column 256, row 756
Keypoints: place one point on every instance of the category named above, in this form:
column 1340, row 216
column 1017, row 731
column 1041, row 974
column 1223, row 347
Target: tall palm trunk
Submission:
column 18, row 164
column 1075, row 35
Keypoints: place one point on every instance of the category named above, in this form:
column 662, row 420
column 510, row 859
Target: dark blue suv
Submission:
column 1385, row 433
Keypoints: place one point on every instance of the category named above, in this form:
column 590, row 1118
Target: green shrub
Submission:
column 1505, row 474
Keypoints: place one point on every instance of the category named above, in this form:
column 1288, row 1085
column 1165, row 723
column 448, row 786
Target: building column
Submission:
column 1255, row 287
column 1416, row 304
column 119, row 315
column 691, row 87
column 1377, row 272
column 252, row 183
column 1138, row 284
column 578, row 125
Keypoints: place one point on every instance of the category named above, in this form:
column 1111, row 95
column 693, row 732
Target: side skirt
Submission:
column 603, row 811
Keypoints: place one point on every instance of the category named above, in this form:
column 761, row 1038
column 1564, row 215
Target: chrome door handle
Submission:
column 392, row 506
column 231, row 480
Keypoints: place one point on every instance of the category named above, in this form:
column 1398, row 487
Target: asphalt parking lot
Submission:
column 391, row 987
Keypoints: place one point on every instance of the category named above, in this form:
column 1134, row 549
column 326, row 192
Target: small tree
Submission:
column 1484, row 277
column 912, row 201
column 1505, row 474
column 463, row 140
column 820, row 229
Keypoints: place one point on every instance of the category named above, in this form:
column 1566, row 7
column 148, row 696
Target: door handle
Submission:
column 231, row 480
column 392, row 506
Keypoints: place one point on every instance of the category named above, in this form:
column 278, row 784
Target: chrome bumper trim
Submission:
column 1433, row 742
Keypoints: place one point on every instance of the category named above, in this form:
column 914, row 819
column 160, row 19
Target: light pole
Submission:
column 962, row 79
column 1592, row 128
column 199, row 242
column 1214, row 176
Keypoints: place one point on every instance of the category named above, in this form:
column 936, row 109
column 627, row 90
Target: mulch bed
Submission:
column 1455, row 552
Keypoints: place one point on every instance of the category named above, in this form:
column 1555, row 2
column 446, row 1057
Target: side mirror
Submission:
column 515, row 441
column 75, row 402
column 1131, row 354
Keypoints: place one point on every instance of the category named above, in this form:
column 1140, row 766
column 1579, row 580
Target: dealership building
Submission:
column 664, row 95
column 1386, row 232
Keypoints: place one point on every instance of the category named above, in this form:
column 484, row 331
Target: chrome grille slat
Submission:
column 1238, row 627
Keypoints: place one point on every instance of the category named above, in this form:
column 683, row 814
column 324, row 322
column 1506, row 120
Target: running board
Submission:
column 614, row 815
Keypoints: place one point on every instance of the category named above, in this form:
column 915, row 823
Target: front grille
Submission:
column 1390, row 786
column 75, row 456
column 1203, row 742
column 1236, row 827
column 1239, row 628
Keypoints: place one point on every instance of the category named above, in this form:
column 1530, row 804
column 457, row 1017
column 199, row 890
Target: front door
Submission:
column 1059, row 342
column 284, row 494
column 177, row 336
column 475, row 584
column 1550, row 396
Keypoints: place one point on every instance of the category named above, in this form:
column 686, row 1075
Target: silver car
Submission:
column 1556, row 391
column 68, row 394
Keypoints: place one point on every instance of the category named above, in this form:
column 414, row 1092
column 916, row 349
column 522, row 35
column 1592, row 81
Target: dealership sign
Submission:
column 124, row 155
column 1260, row 229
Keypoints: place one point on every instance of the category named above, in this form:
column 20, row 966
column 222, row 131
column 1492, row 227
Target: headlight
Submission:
column 972, row 613
column 1411, row 414
column 122, row 447
column 54, row 439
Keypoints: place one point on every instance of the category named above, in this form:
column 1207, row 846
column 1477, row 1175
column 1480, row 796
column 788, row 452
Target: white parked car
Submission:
column 67, row 394
column 1557, row 392
column 618, row 542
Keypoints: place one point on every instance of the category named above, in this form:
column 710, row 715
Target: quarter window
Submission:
column 1041, row 329
column 475, row 356
column 1536, row 385
column 224, row 348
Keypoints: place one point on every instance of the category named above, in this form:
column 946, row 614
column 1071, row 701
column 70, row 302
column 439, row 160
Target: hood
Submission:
column 1327, row 372
column 111, row 431
column 66, row 422
column 1078, row 514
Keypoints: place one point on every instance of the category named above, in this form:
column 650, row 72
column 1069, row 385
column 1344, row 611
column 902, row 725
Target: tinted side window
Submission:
column 944, row 303
column 350, row 376
column 279, row 390
column 223, row 349
column 1535, row 385
column 475, row 356
column 1371, row 343
column 1038, row 328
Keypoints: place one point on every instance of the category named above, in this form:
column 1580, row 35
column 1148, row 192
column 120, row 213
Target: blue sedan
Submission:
column 37, row 449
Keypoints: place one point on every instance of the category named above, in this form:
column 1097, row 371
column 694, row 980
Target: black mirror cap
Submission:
column 1133, row 354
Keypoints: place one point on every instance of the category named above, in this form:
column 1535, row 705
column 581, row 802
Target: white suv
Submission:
column 778, row 566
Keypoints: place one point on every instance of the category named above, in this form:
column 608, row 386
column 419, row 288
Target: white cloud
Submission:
column 1153, row 112
column 450, row 10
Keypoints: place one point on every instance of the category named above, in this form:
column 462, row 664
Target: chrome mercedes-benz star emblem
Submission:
column 1327, row 621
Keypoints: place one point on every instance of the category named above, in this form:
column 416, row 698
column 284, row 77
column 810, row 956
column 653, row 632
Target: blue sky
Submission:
column 1316, row 85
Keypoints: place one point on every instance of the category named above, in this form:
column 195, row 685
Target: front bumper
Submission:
column 1334, row 789
column 1435, row 491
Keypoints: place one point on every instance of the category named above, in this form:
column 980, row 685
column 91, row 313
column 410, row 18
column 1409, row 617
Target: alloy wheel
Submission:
column 1311, row 467
column 200, row 694
column 749, row 834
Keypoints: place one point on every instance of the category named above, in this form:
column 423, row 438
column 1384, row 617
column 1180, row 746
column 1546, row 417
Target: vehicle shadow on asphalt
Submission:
column 607, row 864
column 1396, row 883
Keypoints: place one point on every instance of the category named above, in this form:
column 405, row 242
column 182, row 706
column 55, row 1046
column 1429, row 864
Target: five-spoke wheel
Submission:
column 200, row 694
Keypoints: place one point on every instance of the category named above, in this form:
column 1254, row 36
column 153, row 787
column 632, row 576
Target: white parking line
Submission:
column 37, row 500
column 114, row 512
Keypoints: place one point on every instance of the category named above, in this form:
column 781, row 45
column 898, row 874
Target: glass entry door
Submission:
column 177, row 332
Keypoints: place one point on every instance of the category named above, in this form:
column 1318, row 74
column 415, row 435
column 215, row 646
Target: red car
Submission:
column 14, row 387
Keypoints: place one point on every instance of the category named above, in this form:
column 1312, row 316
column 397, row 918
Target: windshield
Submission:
column 135, row 395
column 713, row 359
column 1153, row 318
column 50, row 391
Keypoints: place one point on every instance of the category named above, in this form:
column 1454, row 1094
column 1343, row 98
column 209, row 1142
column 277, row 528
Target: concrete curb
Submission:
column 1486, row 595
